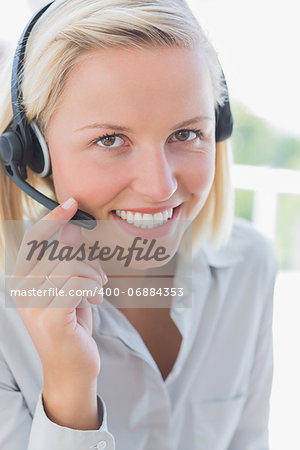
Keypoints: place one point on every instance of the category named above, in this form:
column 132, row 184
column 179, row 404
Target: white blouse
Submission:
column 216, row 396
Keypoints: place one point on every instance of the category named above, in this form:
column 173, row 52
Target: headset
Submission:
column 23, row 144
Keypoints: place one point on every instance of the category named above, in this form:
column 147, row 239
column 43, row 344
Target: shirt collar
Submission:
column 225, row 257
column 231, row 253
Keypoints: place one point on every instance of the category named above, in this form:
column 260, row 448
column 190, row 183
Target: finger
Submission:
column 61, row 268
column 72, row 235
column 75, row 290
column 67, row 296
column 66, row 270
column 37, row 275
column 35, row 288
column 43, row 230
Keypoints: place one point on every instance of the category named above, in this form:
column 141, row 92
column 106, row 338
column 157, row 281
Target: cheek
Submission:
column 89, row 182
column 198, row 173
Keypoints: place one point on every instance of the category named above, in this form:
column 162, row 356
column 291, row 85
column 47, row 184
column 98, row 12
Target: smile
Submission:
column 141, row 220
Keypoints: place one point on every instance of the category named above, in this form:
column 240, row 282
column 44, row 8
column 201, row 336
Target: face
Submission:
column 135, row 132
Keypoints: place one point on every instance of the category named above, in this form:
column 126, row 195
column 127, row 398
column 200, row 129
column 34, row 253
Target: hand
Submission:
column 61, row 327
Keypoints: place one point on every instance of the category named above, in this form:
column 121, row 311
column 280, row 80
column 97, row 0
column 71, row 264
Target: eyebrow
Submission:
column 128, row 130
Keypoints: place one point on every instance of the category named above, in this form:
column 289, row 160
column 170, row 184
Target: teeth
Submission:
column 148, row 218
column 138, row 220
column 158, row 219
column 129, row 217
column 165, row 216
column 145, row 220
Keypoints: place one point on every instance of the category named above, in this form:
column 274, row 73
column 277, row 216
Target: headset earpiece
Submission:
column 224, row 119
column 40, row 162
column 11, row 149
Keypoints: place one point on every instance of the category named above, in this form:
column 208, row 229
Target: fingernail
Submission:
column 104, row 278
column 68, row 203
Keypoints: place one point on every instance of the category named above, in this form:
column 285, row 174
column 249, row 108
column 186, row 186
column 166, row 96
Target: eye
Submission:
column 187, row 135
column 109, row 141
column 114, row 141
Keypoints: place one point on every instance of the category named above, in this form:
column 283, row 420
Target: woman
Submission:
column 124, row 93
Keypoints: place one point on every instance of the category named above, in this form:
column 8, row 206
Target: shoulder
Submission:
column 12, row 328
column 8, row 313
column 251, row 243
column 247, row 251
column 243, row 274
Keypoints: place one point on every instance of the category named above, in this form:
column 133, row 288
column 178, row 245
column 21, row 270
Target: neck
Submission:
column 147, row 288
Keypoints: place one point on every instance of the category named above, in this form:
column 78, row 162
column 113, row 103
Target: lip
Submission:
column 148, row 233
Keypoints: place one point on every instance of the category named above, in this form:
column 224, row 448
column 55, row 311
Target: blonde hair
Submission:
column 66, row 30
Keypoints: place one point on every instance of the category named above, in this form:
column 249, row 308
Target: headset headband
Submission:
column 19, row 117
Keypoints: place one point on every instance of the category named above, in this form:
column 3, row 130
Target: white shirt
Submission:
column 216, row 397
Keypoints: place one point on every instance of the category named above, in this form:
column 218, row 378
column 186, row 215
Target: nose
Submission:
column 154, row 176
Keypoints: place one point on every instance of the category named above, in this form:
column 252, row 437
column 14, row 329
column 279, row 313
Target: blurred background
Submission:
column 258, row 46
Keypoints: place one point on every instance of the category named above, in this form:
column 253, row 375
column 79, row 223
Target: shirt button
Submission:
column 100, row 446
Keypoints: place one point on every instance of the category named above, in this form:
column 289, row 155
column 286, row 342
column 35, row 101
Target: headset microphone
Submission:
column 23, row 144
